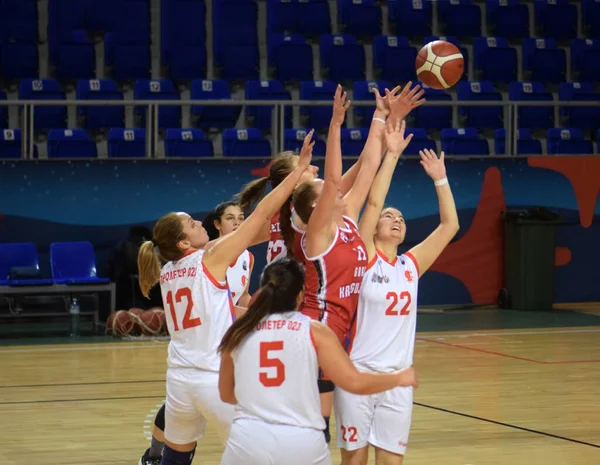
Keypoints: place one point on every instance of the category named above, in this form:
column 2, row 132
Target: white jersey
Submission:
column 238, row 275
column 199, row 310
column 383, row 335
column 276, row 372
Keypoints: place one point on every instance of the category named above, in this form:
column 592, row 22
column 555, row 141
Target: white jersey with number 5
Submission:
column 199, row 311
column 383, row 334
column 276, row 371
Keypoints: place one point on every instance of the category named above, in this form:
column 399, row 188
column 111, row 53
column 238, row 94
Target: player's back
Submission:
column 199, row 311
column 277, row 248
column 276, row 372
column 333, row 279
column 383, row 333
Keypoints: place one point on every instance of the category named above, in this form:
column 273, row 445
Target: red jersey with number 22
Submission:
column 276, row 248
column 333, row 280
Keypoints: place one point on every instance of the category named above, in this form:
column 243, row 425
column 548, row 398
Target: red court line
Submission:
column 499, row 354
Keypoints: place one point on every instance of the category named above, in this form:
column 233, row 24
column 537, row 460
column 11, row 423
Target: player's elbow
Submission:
column 228, row 396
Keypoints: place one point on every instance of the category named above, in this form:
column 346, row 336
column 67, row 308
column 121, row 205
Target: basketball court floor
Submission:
column 497, row 387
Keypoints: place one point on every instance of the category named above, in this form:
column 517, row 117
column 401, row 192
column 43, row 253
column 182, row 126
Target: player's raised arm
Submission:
column 430, row 249
column 396, row 143
column 402, row 104
column 226, row 250
column 335, row 363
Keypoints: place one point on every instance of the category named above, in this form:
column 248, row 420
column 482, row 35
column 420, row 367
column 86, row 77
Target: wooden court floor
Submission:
column 528, row 396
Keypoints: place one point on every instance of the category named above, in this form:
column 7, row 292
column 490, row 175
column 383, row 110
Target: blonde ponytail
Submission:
column 148, row 267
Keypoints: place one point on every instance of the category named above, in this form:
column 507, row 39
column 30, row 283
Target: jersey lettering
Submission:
column 349, row 434
column 188, row 322
column 266, row 362
column 405, row 297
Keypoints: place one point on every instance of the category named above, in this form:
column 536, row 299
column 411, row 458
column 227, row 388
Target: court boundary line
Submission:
column 163, row 344
column 15, row 386
column 500, row 354
column 92, row 399
column 508, row 425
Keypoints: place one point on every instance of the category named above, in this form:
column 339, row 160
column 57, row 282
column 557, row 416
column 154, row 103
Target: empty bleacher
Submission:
column 130, row 51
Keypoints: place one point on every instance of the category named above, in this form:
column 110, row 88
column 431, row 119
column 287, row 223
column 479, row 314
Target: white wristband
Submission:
column 379, row 119
column 441, row 182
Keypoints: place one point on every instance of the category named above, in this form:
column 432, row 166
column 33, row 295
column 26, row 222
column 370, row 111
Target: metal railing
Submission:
column 511, row 117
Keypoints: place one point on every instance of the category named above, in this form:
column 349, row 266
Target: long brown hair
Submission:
column 168, row 231
column 285, row 226
column 304, row 197
column 281, row 283
column 281, row 167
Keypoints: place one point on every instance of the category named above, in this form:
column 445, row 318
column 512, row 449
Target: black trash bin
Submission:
column 530, row 242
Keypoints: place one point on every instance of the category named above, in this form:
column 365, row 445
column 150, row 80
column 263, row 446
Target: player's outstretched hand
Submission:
column 408, row 377
column 381, row 102
column 405, row 102
column 340, row 105
column 306, row 151
column 394, row 137
column 434, row 166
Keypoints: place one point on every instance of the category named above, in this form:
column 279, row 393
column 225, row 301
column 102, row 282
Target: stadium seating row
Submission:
column 221, row 117
column 70, row 263
column 131, row 143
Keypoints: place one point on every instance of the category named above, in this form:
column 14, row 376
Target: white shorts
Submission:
column 382, row 420
column 192, row 399
column 254, row 442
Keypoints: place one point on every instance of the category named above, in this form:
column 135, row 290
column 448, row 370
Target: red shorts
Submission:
column 340, row 328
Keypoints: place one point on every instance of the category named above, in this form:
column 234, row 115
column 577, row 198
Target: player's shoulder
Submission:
column 409, row 263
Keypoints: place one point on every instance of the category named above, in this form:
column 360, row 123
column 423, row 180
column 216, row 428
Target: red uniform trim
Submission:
column 412, row 257
column 212, row 279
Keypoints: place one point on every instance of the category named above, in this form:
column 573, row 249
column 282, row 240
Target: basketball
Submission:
column 110, row 323
column 151, row 322
column 123, row 323
column 439, row 64
column 136, row 314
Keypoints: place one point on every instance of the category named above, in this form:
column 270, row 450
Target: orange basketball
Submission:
column 136, row 315
column 123, row 323
column 151, row 322
column 440, row 64
column 110, row 323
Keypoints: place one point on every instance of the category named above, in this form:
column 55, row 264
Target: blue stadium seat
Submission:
column 245, row 143
column 126, row 143
column 568, row 142
column 290, row 57
column 507, row 18
column 480, row 117
column 47, row 117
column 460, row 18
column 70, row 143
column 526, row 144
column 128, row 60
column 585, row 59
column 430, row 116
column 420, row 141
column 100, row 117
column 556, row 18
column 394, row 58
column 3, row 111
column 463, row 142
column 353, row 141
column 183, row 38
column 317, row 117
column 282, row 16
column 260, row 117
column 10, row 144
column 100, row 15
column 20, row 258
column 538, row 117
column 359, row 17
column 131, row 21
column 18, row 21
column 213, row 116
column 64, row 16
column 294, row 138
column 411, row 17
column 544, row 60
column 158, row 89
column 580, row 117
column 362, row 91
column 18, row 61
column 74, row 263
column 591, row 17
column 76, row 57
column 496, row 59
column 314, row 17
column 453, row 40
column 187, row 143
column 235, row 39
column 343, row 57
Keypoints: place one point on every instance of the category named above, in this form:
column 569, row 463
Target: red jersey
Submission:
column 333, row 280
column 277, row 247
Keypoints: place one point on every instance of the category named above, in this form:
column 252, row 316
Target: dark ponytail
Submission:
column 285, row 225
column 281, row 283
column 208, row 222
column 281, row 166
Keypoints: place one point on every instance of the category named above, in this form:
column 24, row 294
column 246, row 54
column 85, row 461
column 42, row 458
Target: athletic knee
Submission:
column 173, row 457
column 355, row 457
column 384, row 457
